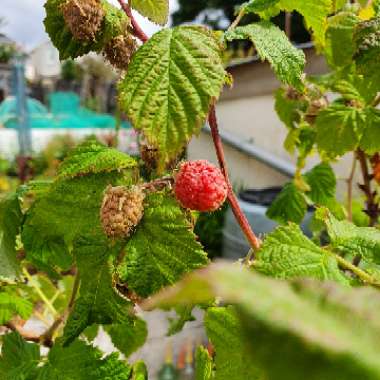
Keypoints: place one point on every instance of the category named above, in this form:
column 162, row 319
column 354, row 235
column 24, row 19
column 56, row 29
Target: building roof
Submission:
column 4, row 40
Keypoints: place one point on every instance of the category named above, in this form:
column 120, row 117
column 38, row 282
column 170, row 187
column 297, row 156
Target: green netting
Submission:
column 65, row 113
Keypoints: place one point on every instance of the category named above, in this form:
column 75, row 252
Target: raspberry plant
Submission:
column 108, row 233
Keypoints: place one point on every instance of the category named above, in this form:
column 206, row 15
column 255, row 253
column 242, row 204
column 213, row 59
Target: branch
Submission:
column 350, row 181
column 373, row 209
column 29, row 336
column 253, row 240
column 138, row 32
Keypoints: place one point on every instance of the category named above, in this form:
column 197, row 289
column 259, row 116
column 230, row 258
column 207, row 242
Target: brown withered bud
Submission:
column 122, row 210
column 83, row 18
column 119, row 51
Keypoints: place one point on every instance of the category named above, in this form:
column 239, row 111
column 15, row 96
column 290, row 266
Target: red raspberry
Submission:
column 200, row 186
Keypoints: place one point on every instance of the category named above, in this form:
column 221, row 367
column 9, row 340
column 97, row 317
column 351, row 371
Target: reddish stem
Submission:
column 373, row 210
column 253, row 240
column 139, row 33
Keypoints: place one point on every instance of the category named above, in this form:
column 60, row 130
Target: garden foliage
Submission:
column 295, row 306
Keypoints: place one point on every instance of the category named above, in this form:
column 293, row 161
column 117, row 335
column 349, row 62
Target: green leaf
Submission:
column 272, row 44
column 155, row 10
column 289, row 206
column 203, row 364
column 169, row 86
column 70, row 208
column 114, row 24
column 232, row 360
column 19, row 359
column 184, row 315
column 370, row 141
column 293, row 328
column 339, row 129
column 350, row 239
column 288, row 109
column 92, row 157
column 11, row 304
column 287, row 253
column 367, row 38
column 82, row 362
column 255, row 6
column 98, row 301
column 339, row 48
column 139, row 371
column 315, row 13
column 322, row 182
column 162, row 249
column 128, row 337
column 10, row 221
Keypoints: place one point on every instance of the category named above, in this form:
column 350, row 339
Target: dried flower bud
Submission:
column 119, row 51
column 122, row 210
column 83, row 18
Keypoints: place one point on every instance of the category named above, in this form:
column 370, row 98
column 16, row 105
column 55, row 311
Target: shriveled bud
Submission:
column 122, row 210
column 119, row 51
column 83, row 18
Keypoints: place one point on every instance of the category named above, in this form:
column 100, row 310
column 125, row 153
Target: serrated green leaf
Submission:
column 169, row 86
column 203, row 364
column 98, row 301
column 339, row 48
column 370, row 141
column 10, row 222
column 289, row 206
column 128, row 337
column 293, row 328
column 322, row 182
column 162, row 249
column 350, row 239
column 114, row 24
column 339, row 129
column 315, row 13
column 92, row 157
column 232, row 360
column 71, row 207
column 367, row 39
column 287, row 253
column 271, row 43
column 19, row 359
column 82, row 362
column 12, row 304
column 256, row 6
column 155, row 10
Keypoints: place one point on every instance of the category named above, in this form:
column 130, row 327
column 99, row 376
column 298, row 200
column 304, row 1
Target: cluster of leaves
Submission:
column 328, row 331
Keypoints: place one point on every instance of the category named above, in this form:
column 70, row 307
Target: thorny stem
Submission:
column 253, row 240
column 350, row 181
column 236, row 22
column 373, row 209
column 365, row 277
column 138, row 32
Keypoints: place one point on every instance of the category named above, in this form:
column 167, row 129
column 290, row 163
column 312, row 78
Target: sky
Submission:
column 24, row 21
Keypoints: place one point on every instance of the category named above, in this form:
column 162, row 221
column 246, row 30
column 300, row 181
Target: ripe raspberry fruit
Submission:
column 122, row 210
column 119, row 51
column 200, row 186
column 83, row 18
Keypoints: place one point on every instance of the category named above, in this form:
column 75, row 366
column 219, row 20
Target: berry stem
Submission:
column 138, row 32
column 253, row 240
